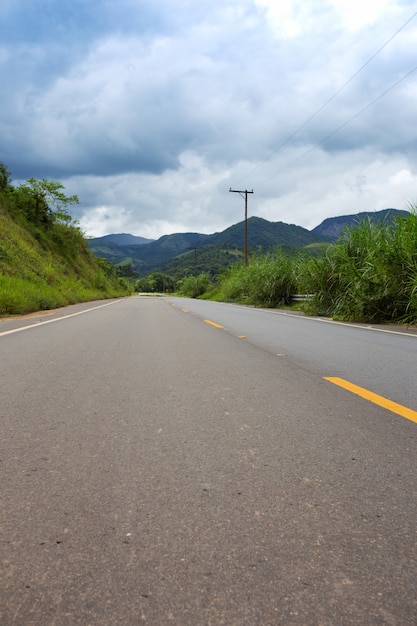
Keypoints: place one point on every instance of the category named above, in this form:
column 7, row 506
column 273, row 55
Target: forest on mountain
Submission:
column 188, row 254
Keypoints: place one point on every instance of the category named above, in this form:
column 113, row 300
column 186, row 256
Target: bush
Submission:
column 268, row 280
column 195, row 286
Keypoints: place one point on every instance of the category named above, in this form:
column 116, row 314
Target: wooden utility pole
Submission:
column 244, row 194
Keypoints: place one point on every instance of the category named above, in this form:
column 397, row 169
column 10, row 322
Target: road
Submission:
column 172, row 461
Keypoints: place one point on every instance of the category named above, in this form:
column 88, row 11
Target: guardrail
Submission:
column 302, row 297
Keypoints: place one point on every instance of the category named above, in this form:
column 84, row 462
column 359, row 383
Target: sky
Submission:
column 151, row 110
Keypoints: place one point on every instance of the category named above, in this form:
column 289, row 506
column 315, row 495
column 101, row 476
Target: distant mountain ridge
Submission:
column 331, row 228
column 157, row 255
column 123, row 239
column 188, row 252
column 262, row 233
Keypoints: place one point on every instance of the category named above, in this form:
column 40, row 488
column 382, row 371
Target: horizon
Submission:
column 334, row 217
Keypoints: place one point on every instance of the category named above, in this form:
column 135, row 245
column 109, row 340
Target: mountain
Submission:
column 221, row 248
column 211, row 259
column 122, row 239
column 331, row 228
column 182, row 254
column 150, row 257
column 265, row 234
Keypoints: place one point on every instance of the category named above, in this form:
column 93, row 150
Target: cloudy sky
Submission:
column 150, row 110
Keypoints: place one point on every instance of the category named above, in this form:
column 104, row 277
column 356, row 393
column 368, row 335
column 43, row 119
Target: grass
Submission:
column 369, row 275
column 45, row 269
column 267, row 281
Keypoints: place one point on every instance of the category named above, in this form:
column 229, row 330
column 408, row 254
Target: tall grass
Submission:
column 369, row 275
column 268, row 280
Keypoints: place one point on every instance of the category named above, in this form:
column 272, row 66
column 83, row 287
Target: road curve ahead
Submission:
column 159, row 469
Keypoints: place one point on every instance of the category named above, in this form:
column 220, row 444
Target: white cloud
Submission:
column 149, row 115
column 295, row 18
column 357, row 14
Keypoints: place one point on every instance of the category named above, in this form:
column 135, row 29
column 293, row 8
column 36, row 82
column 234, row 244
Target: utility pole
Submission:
column 246, row 219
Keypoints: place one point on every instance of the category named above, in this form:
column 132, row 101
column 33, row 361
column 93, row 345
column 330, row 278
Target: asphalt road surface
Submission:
column 171, row 461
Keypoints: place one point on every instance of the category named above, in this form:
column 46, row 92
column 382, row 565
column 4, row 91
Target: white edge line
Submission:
column 56, row 319
column 373, row 328
column 324, row 320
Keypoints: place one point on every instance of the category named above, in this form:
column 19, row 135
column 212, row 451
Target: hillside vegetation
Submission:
column 368, row 275
column 44, row 259
column 178, row 254
column 187, row 254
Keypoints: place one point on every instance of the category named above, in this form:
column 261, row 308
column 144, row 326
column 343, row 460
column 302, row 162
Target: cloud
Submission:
column 150, row 111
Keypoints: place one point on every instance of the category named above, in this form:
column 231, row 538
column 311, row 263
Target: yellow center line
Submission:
column 213, row 324
column 399, row 409
column 184, row 310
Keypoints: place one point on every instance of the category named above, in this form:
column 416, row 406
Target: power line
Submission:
column 323, row 106
column 319, row 143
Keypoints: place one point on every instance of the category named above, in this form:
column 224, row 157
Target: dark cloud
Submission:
column 149, row 111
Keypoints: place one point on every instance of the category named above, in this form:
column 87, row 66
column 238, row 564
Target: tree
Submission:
column 160, row 282
column 5, row 177
column 46, row 201
column 126, row 271
column 195, row 286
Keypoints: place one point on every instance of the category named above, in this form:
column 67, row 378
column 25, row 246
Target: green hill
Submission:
column 265, row 234
column 45, row 261
column 123, row 239
column 150, row 257
column 211, row 259
column 176, row 254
